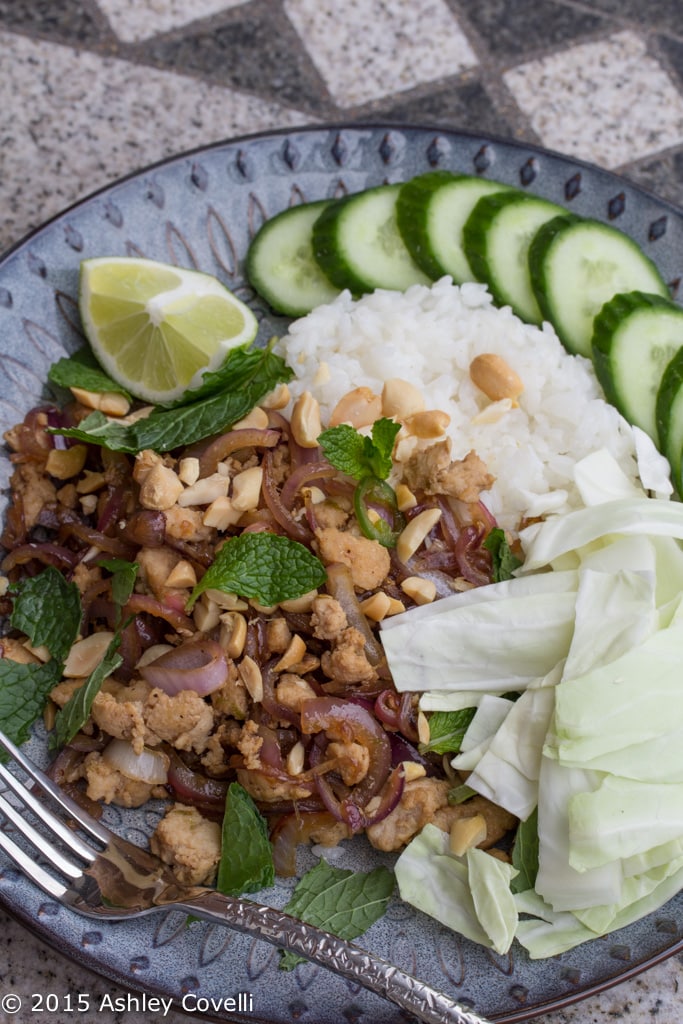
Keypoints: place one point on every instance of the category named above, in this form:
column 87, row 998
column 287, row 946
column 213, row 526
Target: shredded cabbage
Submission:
column 590, row 634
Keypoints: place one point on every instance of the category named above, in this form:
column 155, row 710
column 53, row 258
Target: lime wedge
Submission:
column 156, row 328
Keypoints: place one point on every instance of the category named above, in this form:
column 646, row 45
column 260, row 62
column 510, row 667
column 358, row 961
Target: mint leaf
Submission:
column 123, row 578
column 240, row 366
column 359, row 456
column 525, row 854
column 76, row 712
column 446, row 730
column 23, row 692
column 81, row 370
column 265, row 566
column 344, row 903
column 48, row 610
column 246, row 863
column 504, row 562
column 384, row 433
column 166, row 429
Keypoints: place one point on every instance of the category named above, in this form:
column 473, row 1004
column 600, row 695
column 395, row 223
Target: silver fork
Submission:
column 107, row 877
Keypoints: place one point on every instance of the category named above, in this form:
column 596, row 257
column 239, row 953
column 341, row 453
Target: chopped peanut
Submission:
column 182, row 575
column 466, row 833
column 293, row 655
column 246, row 489
column 400, row 398
column 305, row 421
column 360, row 407
column 427, row 425
column 85, row 655
column 415, row 532
column 161, row 488
column 421, row 590
column 251, row 676
column 492, row 375
column 64, row 463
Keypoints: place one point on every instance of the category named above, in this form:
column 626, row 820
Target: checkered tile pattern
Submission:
column 93, row 89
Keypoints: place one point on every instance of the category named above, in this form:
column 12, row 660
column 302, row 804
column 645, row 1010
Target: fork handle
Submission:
column 420, row 1000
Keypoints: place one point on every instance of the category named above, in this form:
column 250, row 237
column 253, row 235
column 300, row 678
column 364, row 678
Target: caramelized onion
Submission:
column 160, row 610
column 294, row 528
column 234, row 441
column 289, row 831
column 46, row 552
column 200, row 666
column 192, row 787
column 347, row 721
column 340, row 586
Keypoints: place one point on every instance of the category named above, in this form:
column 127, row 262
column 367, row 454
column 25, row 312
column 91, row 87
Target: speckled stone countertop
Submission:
column 92, row 90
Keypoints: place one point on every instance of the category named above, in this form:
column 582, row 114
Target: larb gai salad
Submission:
column 297, row 611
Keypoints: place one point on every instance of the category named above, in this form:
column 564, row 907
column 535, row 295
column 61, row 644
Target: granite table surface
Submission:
column 93, row 90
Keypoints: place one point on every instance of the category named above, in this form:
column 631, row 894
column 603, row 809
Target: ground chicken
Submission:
column 85, row 575
column 353, row 758
column 64, row 691
column 269, row 790
column 214, row 757
column 292, row 691
column 121, row 715
column 184, row 720
column 189, row 843
column 249, row 745
column 34, row 491
column 498, row 820
column 368, row 560
column 186, row 524
column 420, row 801
column 432, row 472
column 328, row 618
column 155, row 567
column 328, row 513
column 231, row 699
column 347, row 662
column 107, row 784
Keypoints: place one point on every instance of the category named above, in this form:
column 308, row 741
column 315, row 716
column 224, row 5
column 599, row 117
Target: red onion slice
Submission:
column 200, row 666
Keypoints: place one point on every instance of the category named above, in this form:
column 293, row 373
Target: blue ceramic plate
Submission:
column 200, row 210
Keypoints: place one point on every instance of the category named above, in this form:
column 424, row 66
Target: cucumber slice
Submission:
column 579, row 265
column 357, row 243
column 280, row 263
column 635, row 336
column 669, row 418
column 497, row 235
column 431, row 212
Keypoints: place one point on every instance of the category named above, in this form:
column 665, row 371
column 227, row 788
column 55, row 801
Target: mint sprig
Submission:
column 251, row 377
column 76, row 712
column 246, row 863
column 264, row 566
column 342, row 902
column 357, row 455
column 47, row 610
column 82, row 370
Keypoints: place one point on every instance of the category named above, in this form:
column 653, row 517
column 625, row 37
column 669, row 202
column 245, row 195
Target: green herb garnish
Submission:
column 344, row 903
column 446, row 730
column 250, row 375
column 47, row 610
column 76, row 712
column 246, row 863
column 359, row 456
column 525, row 854
column 264, row 566
column 368, row 460
column 504, row 561
column 82, row 370
column 123, row 578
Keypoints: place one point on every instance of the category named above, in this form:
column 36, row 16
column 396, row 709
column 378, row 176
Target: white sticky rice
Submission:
column 429, row 336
